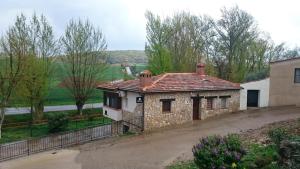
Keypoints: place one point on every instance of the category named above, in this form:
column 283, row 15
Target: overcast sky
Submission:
column 123, row 21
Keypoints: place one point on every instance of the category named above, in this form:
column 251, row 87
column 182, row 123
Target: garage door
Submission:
column 252, row 98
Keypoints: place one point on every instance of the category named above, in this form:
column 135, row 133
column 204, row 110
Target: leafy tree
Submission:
column 177, row 43
column 84, row 47
column 236, row 31
column 14, row 51
column 159, row 59
column 35, row 83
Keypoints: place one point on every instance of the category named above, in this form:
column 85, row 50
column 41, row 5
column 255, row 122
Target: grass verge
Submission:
column 23, row 133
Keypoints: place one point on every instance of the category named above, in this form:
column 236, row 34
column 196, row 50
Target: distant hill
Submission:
column 131, row 56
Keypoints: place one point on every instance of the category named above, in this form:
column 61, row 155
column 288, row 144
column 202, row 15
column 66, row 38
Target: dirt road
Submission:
column 152, row 150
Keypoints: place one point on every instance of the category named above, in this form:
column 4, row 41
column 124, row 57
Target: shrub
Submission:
column 290, row 153
column 277, row 135
column 57, row 122
column 260, row 157
column 218, row 152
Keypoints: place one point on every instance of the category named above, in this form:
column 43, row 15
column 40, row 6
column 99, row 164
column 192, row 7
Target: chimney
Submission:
column 145, row 78
column 200, row 69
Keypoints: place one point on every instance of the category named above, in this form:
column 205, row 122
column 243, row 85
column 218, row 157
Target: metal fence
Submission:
column 56, row 141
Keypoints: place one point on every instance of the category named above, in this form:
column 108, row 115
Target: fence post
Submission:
column 27, row 141
column 111, row 128
column 61, row 142
column 91, row 133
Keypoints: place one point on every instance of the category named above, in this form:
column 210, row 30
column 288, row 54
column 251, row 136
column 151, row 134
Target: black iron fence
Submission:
column 62, row 140
column 56, row 141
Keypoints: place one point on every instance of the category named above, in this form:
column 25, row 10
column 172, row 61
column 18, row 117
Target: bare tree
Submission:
column 14, row 50
column 84, row 49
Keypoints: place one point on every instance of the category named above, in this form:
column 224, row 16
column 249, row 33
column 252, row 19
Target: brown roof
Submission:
column 174, row 82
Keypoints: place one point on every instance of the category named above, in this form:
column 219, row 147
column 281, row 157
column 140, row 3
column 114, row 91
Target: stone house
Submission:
column 170, row 98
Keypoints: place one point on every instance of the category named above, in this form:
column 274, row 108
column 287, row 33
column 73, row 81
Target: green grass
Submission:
column 183, row 165
column 27, row 117
column 17, row 134
column 62, row 96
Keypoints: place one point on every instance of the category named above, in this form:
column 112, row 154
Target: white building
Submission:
column 255, row 94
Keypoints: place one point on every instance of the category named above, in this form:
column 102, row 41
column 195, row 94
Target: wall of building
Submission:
column 263, row 98
column 182, row 107
column 283, row 90
column 233, row 103
column 115, row 114
column 130, row 108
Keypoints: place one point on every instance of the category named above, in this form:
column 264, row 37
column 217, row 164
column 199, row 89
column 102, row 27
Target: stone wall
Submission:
column 181, row 110
column 233, row 103
column 182, row 107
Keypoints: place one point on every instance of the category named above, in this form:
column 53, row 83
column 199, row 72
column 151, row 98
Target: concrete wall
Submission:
column 112, row 113
column 131, row 109
column 182, row 107
column 283, row 90
column 129, row 101
column 263, row 98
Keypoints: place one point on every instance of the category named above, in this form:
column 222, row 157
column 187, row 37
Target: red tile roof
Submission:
column 174, row 82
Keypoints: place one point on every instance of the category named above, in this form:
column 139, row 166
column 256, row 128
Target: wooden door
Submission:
column 196, row 108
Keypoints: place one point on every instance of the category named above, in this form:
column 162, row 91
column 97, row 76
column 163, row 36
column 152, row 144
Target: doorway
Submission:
column 252, row 98
column 196, row 108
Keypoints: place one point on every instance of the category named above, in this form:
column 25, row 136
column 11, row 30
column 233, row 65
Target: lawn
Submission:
column 16, row 134
column 19, row 118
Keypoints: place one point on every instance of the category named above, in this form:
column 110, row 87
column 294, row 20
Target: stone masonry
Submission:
column 182, row 107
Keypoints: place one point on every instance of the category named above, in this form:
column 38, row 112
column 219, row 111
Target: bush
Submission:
column 57, row 122
column 290, row 153
column 277, row 135
column 261, row 157
column 218, row 152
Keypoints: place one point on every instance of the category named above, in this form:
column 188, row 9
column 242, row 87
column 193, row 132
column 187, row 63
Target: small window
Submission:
column 223, row 103
column 166, row 105
column 209, row 105
column 297, row 75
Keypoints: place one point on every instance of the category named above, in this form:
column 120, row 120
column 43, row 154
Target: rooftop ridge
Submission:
column 156, row 81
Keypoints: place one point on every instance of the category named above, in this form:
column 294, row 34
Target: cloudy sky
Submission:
column 123, row 21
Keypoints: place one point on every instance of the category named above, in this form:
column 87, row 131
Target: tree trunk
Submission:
column 39, row 111
column 2, row 114
column 79, row 108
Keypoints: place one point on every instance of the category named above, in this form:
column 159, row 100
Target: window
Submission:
column 209, row 105
column 223, row 103
column 112, row 100
column 297, row 75
column 166, row 105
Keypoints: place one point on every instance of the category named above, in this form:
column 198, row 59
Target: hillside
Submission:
column 131, row 56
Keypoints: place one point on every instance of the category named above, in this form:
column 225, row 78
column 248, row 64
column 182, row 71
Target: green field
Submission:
column 61, row 96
